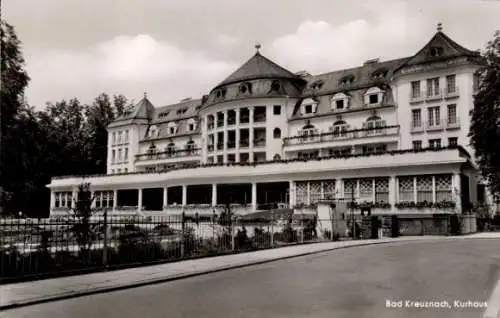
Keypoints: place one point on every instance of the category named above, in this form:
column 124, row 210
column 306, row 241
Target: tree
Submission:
column 84, row 233
column 485, row 126
column 14, row 80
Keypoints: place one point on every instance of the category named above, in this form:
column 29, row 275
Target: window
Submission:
column 481, row 188
column 452, row 141
column 475, row 82
column 373, row 98
column 119, row 171
column 417, row 144
column 433, row 87
column 126, row 136
column 434, row 116
column 276, row 133
column 275, row 86
column 339, row 104
column 416, row 118
column 120, row 158
column 436, row 51
column 181, row 111
column 125, row 154
column 308, row 109
column 406, row 189
column 163, row 114
column 120, row 137
column 434, row 143
column 190, row 126
column 171, row 130
column 231, row 157
column 368, row 149
column 112, row 171
column 451, row 84
column 452, row 114
column 277, row 157
column 125, row 170
column 415, row 89
column 114, row 138
column 113, row 156
column 277, row 110
column 424, row 189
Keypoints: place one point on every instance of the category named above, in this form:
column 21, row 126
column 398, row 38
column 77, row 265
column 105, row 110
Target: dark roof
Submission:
column 183, row 109
column 258, row 66
column 450, row 49
column 144, row 109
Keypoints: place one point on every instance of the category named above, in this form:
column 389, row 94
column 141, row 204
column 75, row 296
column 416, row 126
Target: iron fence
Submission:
column 47, row 247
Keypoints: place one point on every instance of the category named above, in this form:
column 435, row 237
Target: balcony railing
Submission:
column 451, row 92
column 435, row 125
column 453, row 123
column 168, row 154
column 434, row 95
column 416, row 97
column 348, row 134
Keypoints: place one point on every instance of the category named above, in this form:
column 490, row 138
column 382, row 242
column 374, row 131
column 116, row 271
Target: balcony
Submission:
column 341, row 138
column 416, row 97
column 434, row 126
column 181, row 153
column 453, row 123
column 451, row 92
column 435, row 95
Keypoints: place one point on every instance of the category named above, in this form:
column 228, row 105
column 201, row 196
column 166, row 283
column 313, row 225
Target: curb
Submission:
column 142, row 283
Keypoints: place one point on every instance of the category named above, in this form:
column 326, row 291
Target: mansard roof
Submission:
column 258, row 66
column 184, row 109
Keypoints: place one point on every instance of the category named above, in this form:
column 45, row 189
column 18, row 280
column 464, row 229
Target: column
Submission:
column 291, row 194
column 115, row 199
column 139, row 201
column 308, row 193
column 433, row 188
column 321, row 190
column 184, row 195
column 92, row 202
column 373, row 190
column 237, row 138
column 74, row 198
column 415, row 195
column 392, row 191
column 254, row 196
column 165, row 198
column 52, row 199
column 457, row 192
column 339, row 191
column 357, row 195
column 214, row 194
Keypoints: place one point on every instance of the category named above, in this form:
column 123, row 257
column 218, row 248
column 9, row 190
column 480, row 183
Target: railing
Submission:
column 434, row 95
column 451, row 92
column 42, row 248
column 168, row 154
column 349, row 134
column 435, row 125
column 453, row 123
column 416, row 98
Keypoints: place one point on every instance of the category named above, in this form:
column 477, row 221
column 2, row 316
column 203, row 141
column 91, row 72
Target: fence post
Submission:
column 183, row 234
column 272, row 229
column 301, row 228
column 233, row 228
column 105, row 247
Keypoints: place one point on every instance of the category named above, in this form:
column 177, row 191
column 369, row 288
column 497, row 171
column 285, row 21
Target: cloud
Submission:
column 319, row 46
column 227, row 40
column 124, row 64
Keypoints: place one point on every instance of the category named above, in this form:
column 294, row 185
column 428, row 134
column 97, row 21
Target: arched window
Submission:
column 339, row 128
column 190, row 146
column 172, row 128
column 153, row 131
column 374, row 125
column 309, row 133
column 277, row 157
column 170, row 149
column 277, row 133
column 191, row 125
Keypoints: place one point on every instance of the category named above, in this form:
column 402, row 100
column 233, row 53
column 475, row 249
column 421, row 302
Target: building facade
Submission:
column 390, row 135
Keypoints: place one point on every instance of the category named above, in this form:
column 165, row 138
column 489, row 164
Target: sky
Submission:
column 183, row 48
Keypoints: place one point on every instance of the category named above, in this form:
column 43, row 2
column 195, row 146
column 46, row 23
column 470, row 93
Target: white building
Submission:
column 390, row 134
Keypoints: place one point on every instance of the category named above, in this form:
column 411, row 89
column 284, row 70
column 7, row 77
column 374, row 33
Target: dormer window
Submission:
column 181, row 111
column 436, row 51
column 221, row 93
column 245, row 88
column 163, row 114
column 317, row 85
column 379, row 74
column 309, row 106
column 275, row 86
column 172, row 128
column 191, row 125
column 339, row 101
column 153, row 131
column 190, row 146
column 373, row 96
column 346, row 81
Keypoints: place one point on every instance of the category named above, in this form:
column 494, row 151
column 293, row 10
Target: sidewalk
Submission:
column 30, row 293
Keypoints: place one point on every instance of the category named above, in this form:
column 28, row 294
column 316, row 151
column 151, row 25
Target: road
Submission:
column 352, row 282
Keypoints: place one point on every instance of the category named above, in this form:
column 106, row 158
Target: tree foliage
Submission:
column 66, row 138
column 485, row 126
